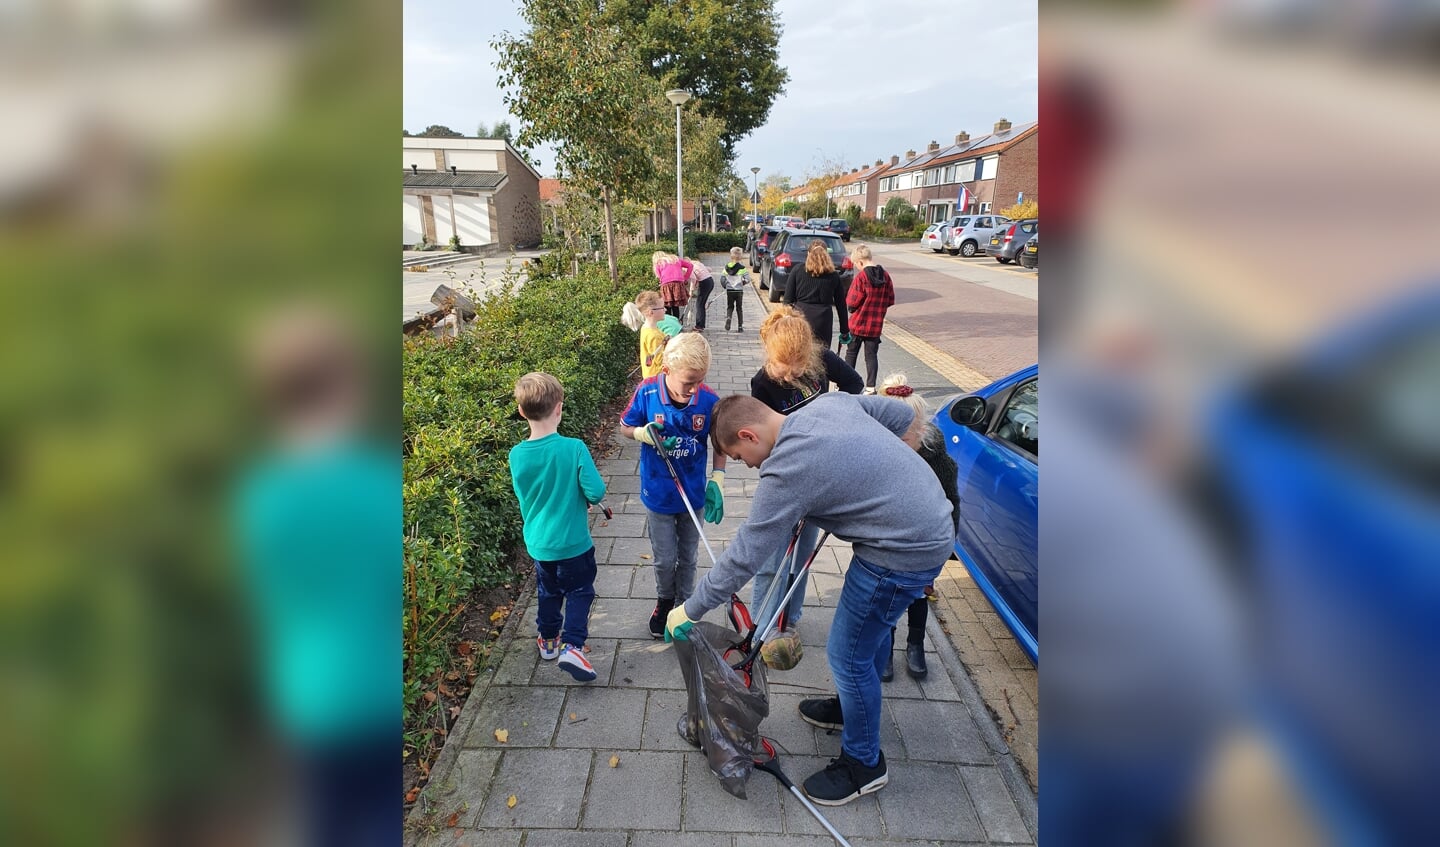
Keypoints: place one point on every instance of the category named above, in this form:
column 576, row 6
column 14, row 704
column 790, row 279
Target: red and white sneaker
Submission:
column 573, row 662
column 549, row 647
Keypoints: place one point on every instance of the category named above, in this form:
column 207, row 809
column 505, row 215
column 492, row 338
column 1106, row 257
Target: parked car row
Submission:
column 998, row 236
column 839, row 226
column 786, row 251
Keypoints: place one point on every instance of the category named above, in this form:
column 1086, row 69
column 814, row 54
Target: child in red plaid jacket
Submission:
column 871, row 294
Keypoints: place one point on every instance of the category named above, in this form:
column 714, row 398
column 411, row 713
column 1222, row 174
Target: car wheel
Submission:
column 1002, row 260
column 967, row 249
column 952, row 251
column 937, row 249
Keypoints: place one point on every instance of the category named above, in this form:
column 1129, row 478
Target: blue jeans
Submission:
column 771, row 571
column 871, row 602
column 569, row 583
column 674, row 541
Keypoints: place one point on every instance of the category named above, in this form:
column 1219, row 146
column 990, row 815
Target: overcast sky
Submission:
column 868, row 78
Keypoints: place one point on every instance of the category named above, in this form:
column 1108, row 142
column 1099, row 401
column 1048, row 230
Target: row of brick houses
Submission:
column 997, row 168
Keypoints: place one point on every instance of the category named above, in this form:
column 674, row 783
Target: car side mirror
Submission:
column 968, row 411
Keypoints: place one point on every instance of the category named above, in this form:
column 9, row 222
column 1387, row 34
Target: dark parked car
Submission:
column 840, row 227
column 1030, row 256
column 788, row 252
column 1006, row 242
column 994, row 437
column 761, row 245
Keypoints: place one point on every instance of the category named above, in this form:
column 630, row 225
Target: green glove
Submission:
column 677, row 625
column 715, row 497
column 648, row 434
column 670, row 325
column 846, row 338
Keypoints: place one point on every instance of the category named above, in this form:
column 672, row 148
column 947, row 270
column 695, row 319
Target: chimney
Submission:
column 1002, row 125
column 454, row 171
column 962, row 139
column 894, row 160
column 932, row 147
column 879, row 162
column 415, row 169
column 909, row 154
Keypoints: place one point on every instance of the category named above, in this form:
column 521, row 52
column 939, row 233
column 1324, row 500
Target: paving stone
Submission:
column 810, row 677
column 825, row 587
column 622, row 484
column 587, row 838
column 940, row 732
column 613, row 580
column 708, row 808
column 928, row 801
column 621, row 526
column 787, row 840
column 628, row 551
column 680, row 839
column 787, row 729
column 463, row 788
column 856, row 818
column 459, row 837
column 995, row 806
column 518, row 663
column 528, row 712
column 644, row 791
column 662, row 712
column 612, row 617
column 611, row 718
column 548, row 785
column 647, row 664
column 827, row 742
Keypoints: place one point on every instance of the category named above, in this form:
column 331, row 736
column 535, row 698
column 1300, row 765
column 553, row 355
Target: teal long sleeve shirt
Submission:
column 555, row 479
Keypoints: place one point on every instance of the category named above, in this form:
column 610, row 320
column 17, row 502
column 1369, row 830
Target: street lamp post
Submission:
column 679, row 97
column 755, row 198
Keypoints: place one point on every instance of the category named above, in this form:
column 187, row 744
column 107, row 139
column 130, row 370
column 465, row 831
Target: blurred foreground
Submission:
column 175, row 178
column 1242, row 484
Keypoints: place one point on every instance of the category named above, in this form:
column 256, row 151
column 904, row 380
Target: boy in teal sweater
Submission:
column 555, row 481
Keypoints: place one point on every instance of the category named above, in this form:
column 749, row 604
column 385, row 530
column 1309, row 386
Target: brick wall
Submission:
column 516, row 206
column 1018, row 170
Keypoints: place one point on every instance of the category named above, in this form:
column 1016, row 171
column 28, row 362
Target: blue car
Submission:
column 993, row 436
column 1327, row 472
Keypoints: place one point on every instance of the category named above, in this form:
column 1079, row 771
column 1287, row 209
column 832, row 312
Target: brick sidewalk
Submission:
column 952, row 778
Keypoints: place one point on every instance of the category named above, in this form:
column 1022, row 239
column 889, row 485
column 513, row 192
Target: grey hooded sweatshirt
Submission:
column 840, row 464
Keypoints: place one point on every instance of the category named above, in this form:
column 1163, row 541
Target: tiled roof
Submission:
column 549, row 188
column 445, row 179
column 991, row 143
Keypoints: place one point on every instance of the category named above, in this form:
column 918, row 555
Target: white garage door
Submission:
column 413, row 226
column 472, row 220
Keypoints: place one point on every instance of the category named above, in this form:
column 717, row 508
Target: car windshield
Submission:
column 800, row 244
column 839, row 222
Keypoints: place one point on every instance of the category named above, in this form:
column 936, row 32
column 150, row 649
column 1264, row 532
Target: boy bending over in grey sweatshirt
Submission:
column 838, row 463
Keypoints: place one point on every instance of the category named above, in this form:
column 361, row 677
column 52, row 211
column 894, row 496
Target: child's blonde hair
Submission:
column 897, row 387
column 537, row 394
column 736, row 253
column 688, row 351
column 791, row 350
column 861, row 255
column 660, row 258
column 648, row 299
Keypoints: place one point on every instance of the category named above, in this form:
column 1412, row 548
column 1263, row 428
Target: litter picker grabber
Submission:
column 771, row 765
column 675, row 477
column 757, row 637
column 739, row 613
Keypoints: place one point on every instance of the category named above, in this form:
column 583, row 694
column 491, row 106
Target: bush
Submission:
column 462, row 522
column 1028, row 209
column 900, row 214
column 713, row 242
column 454, row 244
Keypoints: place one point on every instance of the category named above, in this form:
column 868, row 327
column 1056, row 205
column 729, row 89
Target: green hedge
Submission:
column 462, row 523
column 701, row 242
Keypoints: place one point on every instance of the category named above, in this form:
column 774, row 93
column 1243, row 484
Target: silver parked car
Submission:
column 1007, row 241
column 970, row 233
column 934, row 237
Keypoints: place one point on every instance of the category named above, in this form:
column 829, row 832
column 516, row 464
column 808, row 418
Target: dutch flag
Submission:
column 962, row 200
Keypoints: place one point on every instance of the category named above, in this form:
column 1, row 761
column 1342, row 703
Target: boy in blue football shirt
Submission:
column 673, row 408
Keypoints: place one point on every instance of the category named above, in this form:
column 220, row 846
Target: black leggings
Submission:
column 735, row 305
column 918, row 612
column 872, row 361
column 706, row 286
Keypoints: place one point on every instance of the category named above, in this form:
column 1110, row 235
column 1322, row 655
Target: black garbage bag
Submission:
column 723, row 714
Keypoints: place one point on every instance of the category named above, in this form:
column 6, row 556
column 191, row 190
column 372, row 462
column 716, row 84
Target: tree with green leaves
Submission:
column 725, row 52
column 575, row 81
column 439, row 131
column 500, row 130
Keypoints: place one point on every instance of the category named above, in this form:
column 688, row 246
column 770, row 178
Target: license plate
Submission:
column 994, row 241
column 1034, row 249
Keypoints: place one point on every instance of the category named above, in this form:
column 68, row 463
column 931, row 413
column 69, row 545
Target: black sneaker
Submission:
column 915, row 661
column 889, row 673
column 657, row 617
column 823, row 712
column 845, row 779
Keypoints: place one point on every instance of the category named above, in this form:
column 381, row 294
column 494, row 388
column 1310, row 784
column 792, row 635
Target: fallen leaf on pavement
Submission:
column 644, row 555
column 464, row 648
column 502, row 735
column 429, row 696
column 511, row 802
column 615, row 761
column 572, row 716
column 454, row 819
column 412, row 794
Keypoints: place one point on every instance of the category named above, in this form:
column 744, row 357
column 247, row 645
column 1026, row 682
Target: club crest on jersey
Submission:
column 660, row 419
column 697, row 422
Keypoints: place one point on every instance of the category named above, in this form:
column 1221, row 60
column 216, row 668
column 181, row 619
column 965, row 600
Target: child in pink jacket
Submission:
column 674, row 275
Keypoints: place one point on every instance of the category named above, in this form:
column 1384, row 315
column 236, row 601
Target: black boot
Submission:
column 915, row 661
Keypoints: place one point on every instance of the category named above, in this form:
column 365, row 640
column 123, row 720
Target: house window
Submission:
column 984, row 207
column 950, row 173
column 930, row 176
column 988, row 169
column 965, row 171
